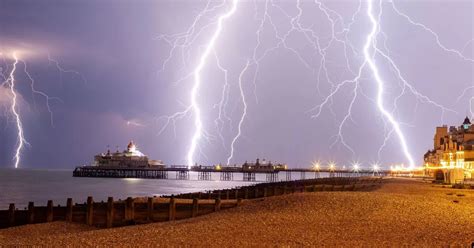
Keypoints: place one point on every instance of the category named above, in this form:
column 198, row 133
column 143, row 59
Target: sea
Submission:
column 21, row 186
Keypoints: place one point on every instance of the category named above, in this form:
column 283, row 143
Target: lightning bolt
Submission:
column 62, row 70
column 242, row 118
column 21, row 139
column 10, row 82
column 370, row 43
column 360, row 65
column 47, row 98
column 197, row 82
column 222, row 113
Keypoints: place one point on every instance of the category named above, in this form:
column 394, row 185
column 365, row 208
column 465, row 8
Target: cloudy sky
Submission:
column 121, row 69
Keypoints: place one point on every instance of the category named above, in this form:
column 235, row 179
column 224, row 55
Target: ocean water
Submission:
column 21, row 186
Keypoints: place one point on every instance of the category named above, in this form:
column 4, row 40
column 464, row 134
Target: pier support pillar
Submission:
column 272, row 176
column 249, row 176
column 204, row 175
column 227, row 176
column 182, row 175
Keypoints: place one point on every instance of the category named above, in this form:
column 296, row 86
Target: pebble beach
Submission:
column 402, row 212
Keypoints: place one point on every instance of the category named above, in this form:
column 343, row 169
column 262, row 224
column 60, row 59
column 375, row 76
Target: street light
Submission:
column 316, row 165
column 355, row 166
column 375, row 168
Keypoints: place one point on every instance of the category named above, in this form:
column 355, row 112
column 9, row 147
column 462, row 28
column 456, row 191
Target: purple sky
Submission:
column 116, row 47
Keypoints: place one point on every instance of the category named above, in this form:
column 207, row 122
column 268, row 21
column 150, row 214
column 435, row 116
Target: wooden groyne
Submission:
column 168, row 208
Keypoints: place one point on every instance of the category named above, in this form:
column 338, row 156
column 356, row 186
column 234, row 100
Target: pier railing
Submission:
column 168, row 208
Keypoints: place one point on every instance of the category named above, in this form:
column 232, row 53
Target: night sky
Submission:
column 113, row 87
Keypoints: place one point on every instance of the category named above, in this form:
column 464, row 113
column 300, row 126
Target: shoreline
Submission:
column 401, row 211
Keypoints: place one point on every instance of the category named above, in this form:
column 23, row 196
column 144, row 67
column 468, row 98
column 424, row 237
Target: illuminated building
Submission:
column 263, row 166
column 452, row 158
column 131, row 157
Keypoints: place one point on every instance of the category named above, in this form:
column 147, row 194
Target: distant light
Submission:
column 332, row 166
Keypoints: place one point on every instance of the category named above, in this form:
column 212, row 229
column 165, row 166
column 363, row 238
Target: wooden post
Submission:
column 31, row 212
column 195, row 207
column 246, row 195
column 11, row 214
column 255, row 192
column 110, row 212
column 236, row 192
column 69, row 210
column 322, row 188
column 239, row 201
column 172, row 209
column 227, row 194
column 89, row 211
column 217, row 205
column 149, row 216
column 129, row 209
column 284, row 189
column 313, row 188
column 49, row 211
column 274, row 190
column 265, row 192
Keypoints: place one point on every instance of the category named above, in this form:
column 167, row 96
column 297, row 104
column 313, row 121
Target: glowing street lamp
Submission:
column 332, row 166
column 316, row 165
column 375, row 168
column 356, row 166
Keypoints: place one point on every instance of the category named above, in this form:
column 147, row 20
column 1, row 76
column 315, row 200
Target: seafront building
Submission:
column 452, row 158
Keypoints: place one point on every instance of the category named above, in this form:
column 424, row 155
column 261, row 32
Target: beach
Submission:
column 401, row 212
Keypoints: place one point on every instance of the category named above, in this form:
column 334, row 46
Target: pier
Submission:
column 224, row 173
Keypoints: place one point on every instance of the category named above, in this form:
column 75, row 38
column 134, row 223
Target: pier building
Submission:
column 131, row 157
